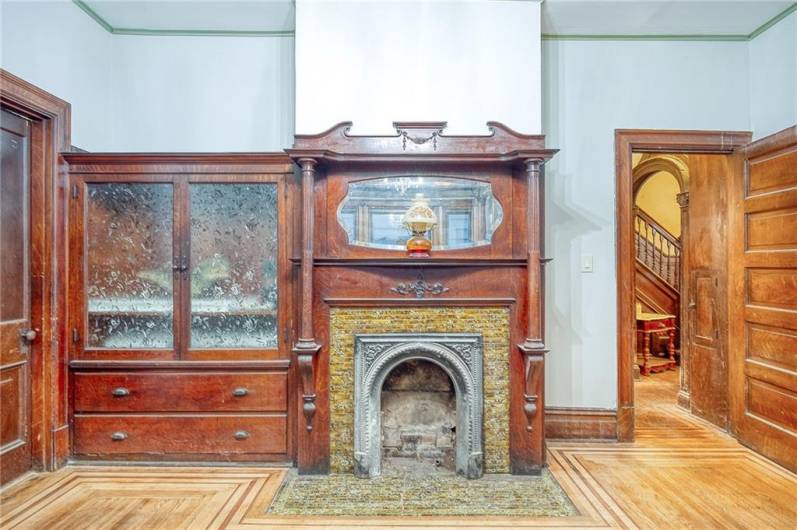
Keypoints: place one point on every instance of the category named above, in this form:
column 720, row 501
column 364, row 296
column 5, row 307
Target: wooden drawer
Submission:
column 180, row 392
column 173, row 434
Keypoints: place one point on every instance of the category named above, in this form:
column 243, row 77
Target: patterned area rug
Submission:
column 347, row 495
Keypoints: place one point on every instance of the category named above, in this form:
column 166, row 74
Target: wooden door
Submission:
column 706, row 329
column 764, row 296
column 15, row 324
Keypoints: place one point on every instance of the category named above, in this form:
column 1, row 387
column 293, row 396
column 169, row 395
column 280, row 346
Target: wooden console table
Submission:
column 647, row 325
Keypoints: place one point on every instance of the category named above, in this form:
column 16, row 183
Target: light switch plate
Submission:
column 586, row 263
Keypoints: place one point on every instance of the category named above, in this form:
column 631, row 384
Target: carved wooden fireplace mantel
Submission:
column 487, row 192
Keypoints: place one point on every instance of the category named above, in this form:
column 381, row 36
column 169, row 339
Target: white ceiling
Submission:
column 218, row 15
column 559, row 17
column 656, row 17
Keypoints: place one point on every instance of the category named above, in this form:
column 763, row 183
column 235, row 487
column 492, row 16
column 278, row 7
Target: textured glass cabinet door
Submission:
column 128, row 267
column 233, row 266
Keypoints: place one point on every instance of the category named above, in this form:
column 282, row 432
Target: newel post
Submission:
column 306, row 348
column 533, row 348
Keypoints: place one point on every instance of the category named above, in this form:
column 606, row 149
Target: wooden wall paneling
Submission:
column 627, row 142
column 762, row 301
column 50, row 135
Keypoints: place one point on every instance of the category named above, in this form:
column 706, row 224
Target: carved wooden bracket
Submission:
column 306, row 352
column 534, row 366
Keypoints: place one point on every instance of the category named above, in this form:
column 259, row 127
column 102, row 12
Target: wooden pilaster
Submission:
column 306, row 348
column 533, row 348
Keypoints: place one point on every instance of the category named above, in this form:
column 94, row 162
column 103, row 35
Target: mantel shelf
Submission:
column 416, row 263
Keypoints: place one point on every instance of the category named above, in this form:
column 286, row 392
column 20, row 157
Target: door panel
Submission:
column 705, row 293
column 232, row 260
column 12, row 389
column 764, row 268
column 128, row 270
column 15, row 450
column 706, row 332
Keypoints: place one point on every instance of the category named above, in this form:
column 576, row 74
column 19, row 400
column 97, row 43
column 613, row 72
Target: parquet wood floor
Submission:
column 680, row 473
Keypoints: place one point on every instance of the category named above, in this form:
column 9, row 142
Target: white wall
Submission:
column 773, row 78
column 590, row 89
column 152, row 93
column 465, row 62
column 202, row 93
column 55, row 46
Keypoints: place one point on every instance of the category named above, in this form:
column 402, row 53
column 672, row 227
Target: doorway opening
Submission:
column 672, row 209
column 661, row 199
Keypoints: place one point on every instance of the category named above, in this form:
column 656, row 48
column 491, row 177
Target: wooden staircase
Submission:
column 658, row 267
column 657, row 249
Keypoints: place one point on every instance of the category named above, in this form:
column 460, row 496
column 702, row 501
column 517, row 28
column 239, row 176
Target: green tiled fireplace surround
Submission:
column 491, row 322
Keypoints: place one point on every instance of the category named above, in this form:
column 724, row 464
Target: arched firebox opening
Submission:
column 376, row 356
column 419, row 419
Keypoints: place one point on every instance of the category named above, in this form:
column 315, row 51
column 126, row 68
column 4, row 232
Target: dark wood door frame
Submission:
column 50, row 135
column 627, row 141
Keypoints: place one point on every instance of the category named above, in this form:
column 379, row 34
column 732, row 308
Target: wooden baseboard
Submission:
column 564, row 423
column 683, row 400
column 61, row 447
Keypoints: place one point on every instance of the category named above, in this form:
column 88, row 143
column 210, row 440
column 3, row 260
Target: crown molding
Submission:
column 177, row 32
column 706, row 38
column 593, row 37
column 772, row 21
column 545, row 36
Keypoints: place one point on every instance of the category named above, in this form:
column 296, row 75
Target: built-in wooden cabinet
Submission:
column 179, row 306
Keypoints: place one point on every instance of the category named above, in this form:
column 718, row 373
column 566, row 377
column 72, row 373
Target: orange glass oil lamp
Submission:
column 420, row 220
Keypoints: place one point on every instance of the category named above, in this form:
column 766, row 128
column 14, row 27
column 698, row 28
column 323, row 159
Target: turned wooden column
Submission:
column 306, row 349
column 683, row 301
column 533, row 348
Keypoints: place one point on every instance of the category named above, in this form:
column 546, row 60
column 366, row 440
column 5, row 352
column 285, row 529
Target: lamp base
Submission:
column 419, row 246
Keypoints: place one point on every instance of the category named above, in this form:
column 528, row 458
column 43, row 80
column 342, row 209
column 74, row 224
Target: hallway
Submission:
column 680, row 472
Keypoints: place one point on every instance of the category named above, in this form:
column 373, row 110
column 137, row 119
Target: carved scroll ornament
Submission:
column 419, row 288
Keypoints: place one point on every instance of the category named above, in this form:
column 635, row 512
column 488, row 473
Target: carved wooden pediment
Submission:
column 422, row 139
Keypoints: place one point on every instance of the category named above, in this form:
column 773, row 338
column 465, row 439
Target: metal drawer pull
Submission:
column 240, row 392
column 119, row 436
column 120, row 392
column 241, row 435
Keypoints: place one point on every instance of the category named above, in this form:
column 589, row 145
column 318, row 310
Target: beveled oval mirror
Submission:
column 467, row 212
